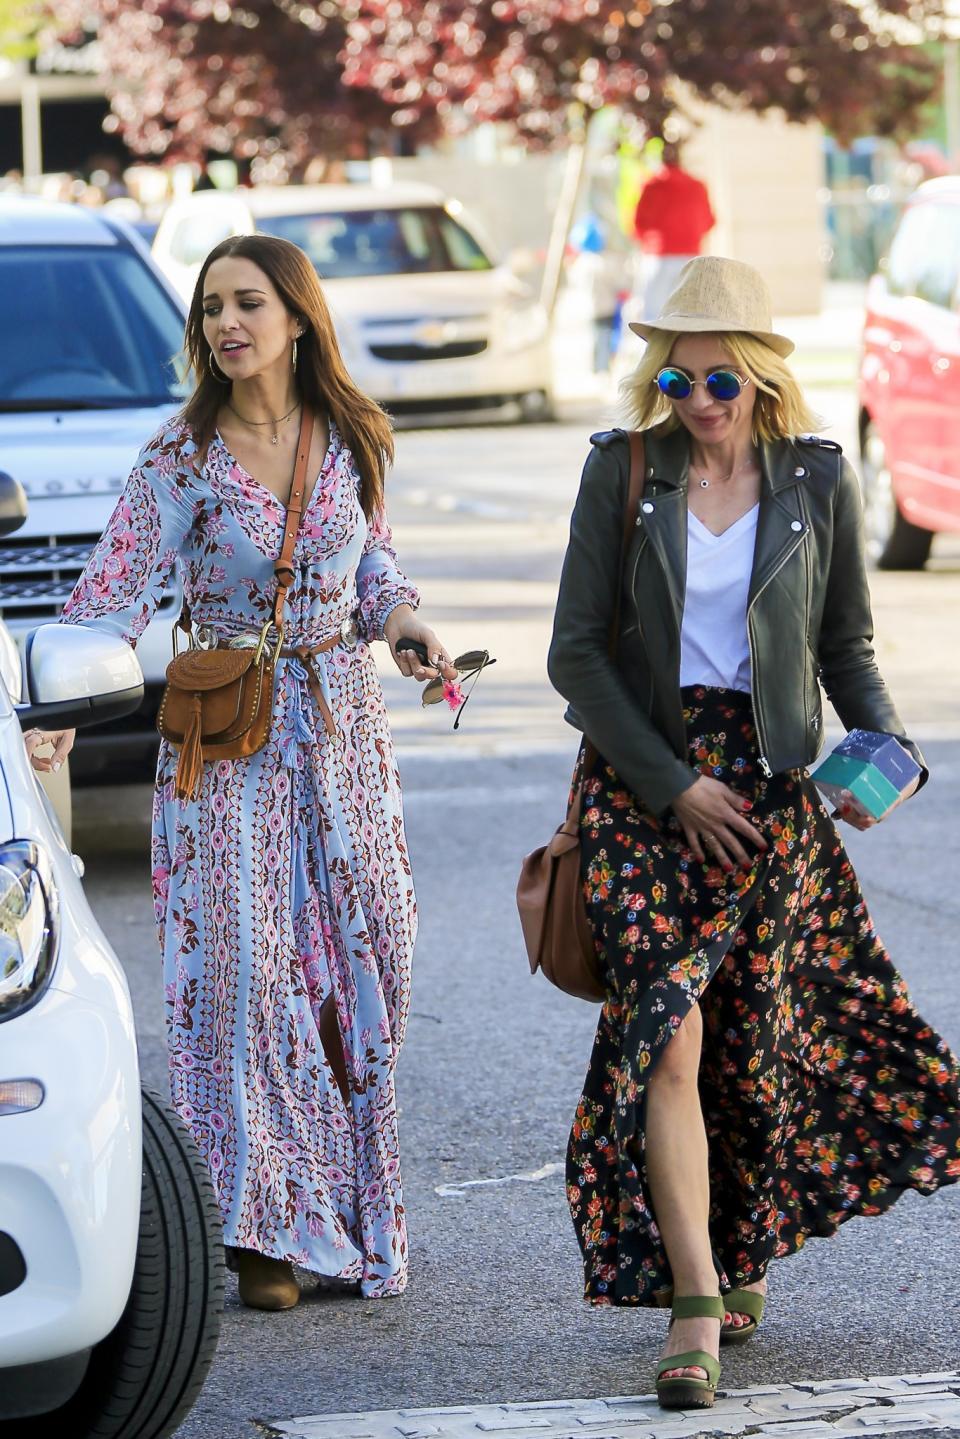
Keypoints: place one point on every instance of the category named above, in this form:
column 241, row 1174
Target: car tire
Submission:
column 144, row 1377
column 537, row 407
column 893, row 543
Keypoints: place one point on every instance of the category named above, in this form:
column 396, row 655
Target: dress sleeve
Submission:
column 125, row 576
column 381, row 584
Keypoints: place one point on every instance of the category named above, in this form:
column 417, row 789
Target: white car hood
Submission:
column 449, row 294
column 74, row 463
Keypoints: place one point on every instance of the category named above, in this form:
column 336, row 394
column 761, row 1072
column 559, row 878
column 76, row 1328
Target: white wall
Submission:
column 764, row 176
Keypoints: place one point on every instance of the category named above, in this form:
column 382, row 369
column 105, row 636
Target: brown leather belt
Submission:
column 305, row 654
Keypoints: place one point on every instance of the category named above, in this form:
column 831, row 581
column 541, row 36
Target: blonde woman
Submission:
column 759, row 1074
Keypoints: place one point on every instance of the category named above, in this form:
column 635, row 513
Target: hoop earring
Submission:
column 221, row 379
column 295, row 338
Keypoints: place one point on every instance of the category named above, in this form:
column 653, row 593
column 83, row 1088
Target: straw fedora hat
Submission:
column 713, row 293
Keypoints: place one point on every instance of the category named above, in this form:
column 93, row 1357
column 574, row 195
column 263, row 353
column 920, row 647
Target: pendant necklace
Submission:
column 256, row 424
column 705, row 482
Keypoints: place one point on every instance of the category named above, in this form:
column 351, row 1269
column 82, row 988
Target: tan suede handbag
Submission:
column 553, row 914
column 218, row 703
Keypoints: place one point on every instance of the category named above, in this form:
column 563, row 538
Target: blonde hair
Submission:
column 780, row 409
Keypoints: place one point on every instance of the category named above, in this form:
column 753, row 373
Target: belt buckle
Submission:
column 246, row 641
column 349, row 632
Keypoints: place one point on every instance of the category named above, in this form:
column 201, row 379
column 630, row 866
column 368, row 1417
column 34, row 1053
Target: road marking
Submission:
column 905, row 1404
column 456, row 1191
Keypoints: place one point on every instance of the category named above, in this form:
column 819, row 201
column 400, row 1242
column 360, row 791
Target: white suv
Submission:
column 429, row 322
column 111, row 1259
column 89, row 369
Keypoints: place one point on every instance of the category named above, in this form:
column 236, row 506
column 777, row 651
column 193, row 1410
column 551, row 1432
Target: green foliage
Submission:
column 20, row 20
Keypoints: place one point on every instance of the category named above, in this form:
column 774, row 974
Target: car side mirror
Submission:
column 78, row 676
column 13, row 504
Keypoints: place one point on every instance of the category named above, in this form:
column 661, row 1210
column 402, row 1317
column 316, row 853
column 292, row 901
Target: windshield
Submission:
column 344, row 245
column 86, row 328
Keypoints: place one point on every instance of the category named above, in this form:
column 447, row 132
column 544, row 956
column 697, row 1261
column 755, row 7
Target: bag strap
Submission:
column 633, row 497
column 283, row 569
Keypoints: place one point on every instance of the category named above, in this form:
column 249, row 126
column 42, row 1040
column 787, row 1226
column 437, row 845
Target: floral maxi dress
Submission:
column 824, row 1093
column 287, row 878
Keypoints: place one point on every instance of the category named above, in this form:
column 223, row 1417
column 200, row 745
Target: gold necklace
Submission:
column 256, row 424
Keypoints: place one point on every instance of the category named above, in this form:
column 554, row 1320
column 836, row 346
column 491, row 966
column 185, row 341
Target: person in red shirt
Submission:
column 672, row 218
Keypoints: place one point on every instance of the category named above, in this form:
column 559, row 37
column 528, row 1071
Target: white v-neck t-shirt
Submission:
column 714, row 649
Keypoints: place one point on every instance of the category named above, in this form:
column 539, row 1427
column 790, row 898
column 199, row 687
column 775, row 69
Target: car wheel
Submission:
column 893, row 543
column 144, row 1377
column 536, row 407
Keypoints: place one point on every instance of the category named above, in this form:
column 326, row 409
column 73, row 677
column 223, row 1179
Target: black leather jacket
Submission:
column 809, row 620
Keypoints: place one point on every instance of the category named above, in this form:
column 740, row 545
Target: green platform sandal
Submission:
column 742, row 1301
column 689, row 1393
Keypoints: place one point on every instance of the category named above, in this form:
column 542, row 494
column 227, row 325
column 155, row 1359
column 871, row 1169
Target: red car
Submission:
column 910, row 383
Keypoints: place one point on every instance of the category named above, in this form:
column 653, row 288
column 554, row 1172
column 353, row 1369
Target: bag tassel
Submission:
column 189, row 765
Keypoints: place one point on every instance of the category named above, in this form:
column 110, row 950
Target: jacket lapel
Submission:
column 663, row 512
column 781, row 523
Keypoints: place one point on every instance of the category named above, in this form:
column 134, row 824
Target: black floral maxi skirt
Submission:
column 824, row 1093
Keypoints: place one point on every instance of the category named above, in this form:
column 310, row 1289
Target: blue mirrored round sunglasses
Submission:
column 676, row 384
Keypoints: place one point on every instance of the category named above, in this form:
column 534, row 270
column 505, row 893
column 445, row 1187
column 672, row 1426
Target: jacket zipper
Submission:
column 757, row 707
column 636, row 606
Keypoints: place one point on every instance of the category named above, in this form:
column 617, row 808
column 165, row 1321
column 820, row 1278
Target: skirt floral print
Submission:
column 824, row 1093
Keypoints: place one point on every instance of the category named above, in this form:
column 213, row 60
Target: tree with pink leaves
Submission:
column 306, row 77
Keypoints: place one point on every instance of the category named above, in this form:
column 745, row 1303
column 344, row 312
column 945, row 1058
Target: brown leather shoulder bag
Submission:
column 553, row 914
column 218, row 703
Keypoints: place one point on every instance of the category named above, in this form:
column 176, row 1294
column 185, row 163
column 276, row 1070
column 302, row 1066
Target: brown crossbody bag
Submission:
column 556, row 928
column 218, row 703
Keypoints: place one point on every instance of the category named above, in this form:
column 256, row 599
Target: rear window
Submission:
column 924, row 259
column 352, row 243
column 86, row 328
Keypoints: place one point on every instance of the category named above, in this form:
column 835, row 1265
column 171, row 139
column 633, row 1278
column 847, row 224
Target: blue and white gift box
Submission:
column 870, row 769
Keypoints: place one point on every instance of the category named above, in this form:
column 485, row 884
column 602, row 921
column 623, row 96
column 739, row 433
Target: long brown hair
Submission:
column 321, row 377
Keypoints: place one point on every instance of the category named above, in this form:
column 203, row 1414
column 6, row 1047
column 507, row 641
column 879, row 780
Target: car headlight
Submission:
column 29, row 925
column 523, row 326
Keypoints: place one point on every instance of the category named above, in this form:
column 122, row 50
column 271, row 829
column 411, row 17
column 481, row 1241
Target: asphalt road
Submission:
column 494, row 1059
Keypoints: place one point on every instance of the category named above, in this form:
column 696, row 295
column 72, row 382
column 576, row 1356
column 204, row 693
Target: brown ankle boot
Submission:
column 266, row 1283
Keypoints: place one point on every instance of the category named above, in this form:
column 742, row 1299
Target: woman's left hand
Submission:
column 60, row 741
column 404, row 623
column 859, row 819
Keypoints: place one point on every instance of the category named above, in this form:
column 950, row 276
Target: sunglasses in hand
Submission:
column 467, row 665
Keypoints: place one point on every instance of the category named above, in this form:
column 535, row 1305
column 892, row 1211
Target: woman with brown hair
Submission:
column 759, row 1074
column 282, row 890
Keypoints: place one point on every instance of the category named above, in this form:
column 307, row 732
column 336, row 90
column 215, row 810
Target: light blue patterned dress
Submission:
column 288, row 876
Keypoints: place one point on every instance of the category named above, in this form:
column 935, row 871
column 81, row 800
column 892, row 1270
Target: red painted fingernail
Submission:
column 748, row 804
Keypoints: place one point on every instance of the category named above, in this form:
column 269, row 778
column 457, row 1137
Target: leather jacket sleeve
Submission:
column 848, row 668
column 579, row 663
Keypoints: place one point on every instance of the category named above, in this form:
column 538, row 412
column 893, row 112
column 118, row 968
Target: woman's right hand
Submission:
column 714, row 820
column 61, row 741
